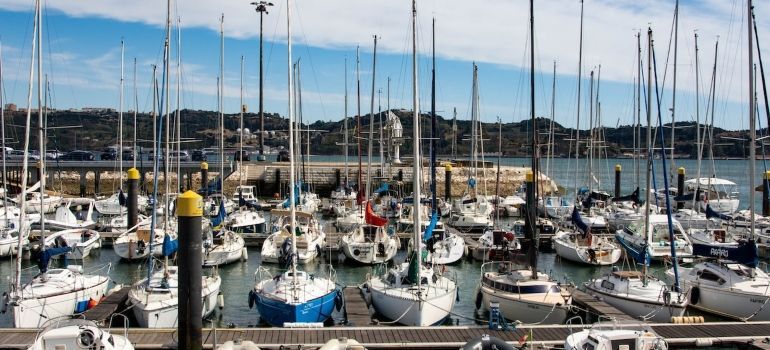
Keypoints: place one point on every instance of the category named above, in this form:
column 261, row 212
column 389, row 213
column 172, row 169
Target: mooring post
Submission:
column 190, row 210
column 447, row 182
column 680, row 185
column 205, row 178
column 133, row 197
column 618, row 171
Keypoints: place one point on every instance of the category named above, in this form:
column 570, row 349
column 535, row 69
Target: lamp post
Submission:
column 261, row 7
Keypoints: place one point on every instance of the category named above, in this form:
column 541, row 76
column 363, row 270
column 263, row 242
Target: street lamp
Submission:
column 261, row 7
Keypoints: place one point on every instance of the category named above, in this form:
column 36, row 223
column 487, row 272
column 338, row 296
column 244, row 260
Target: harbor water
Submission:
column 239, row 278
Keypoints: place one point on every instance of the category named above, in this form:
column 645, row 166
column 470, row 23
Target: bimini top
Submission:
column 713, row 180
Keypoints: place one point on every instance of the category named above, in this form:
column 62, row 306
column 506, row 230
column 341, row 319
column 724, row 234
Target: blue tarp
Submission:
column 638, row 253
column 286, row 203
column 383, row 188
column 47, row 254
column 169, row 247
column 429, row 230
column 744, row 252
column 711, row 213
column 577, row 220
column 220, row 218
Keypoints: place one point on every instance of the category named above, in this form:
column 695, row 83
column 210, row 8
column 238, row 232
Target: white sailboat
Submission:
column 732, row 286
column 57, row 292
column 413, row 293
column 293, row 296
column 65, row 219
column 154, row 300
column 308, row 239
column 637, row 293
column 526, row 295
column 223, row 247
column 80, row 241
column 583, row 247
column 369, row 244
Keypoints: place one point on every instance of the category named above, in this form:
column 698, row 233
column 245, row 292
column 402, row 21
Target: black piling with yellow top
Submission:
column 618, row 171
column 133, row 197
column 205, row 178
column 190, row 212
column 766, row 194
column 680, row 173
column 447, row 182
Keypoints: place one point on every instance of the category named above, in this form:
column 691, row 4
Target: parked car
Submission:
column 53, row 154
column 128, row 154
column 246, row 155
column 19, row 155
column 78, row 155
column 110, row 153
column 283, row 155
column 174, row 155
column 198, row 156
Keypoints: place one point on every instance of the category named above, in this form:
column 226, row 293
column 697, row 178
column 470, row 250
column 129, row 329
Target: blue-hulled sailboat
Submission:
column 293, row 296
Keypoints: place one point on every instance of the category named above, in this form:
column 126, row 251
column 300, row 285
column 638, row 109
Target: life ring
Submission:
column 485, row 342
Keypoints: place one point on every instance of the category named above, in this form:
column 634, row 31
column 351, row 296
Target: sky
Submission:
column 82, row 55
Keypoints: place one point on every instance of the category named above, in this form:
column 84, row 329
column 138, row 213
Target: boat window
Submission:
column 608, row 285
column 711, row 276
column 424, row 281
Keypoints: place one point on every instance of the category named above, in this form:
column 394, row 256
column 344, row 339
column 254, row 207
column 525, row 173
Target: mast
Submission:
column 240, row 143
column 699, row 142
column 531, row 214
column 292, row 179
column 454, row 133
column 637, row 132
column 120, row 122
column 2, row 134
column 345, row 139
column 25, row 162
column 178, row 116
column 433, row 127
column 417, row 163
column 371, row 123
column 497, row 177
column 673, row 91
column 155, row 161
column 360, row 195
column 649, row 149
column 577, row 123
column 590, row 141
column 166, row 104
column 221, row 105
column 41, row 122
column 752, row 118
column 136, row 109
column 382, row 150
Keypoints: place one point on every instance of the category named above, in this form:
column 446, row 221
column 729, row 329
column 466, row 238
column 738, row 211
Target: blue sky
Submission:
column 82, row 53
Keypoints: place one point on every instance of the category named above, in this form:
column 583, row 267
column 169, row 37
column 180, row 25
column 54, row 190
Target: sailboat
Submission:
column 729, row 284
column 154, row 301
column 223, row 246
column 583, row 247
column 414, row 293
column 293, row 296
column 526, row 295
column 637, row 293
column 471, row 212
column 615, row 338
column 9, row 231
column 56, row 292
column 444, row 247
column 309, row 238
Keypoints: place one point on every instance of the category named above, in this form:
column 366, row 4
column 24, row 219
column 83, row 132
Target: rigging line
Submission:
column 310, row 58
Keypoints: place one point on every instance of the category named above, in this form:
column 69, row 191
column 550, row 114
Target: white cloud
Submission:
column 491, row 31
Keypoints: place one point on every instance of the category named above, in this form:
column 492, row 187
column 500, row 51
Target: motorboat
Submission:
column 79, row 334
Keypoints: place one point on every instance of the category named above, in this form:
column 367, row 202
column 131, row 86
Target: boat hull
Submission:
column 512, row 307
column 646, row 310
column 33, row 312
column 406, row 310
column 277, row 313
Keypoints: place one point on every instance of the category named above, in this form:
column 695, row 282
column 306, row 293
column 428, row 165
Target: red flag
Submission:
column 372, row 218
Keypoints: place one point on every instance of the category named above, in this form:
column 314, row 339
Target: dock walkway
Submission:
column 677, row 335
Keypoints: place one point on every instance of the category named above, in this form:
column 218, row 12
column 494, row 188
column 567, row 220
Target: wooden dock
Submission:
column 452, row 337
column 356, row 308
column 593, row 306
column 102, row 312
